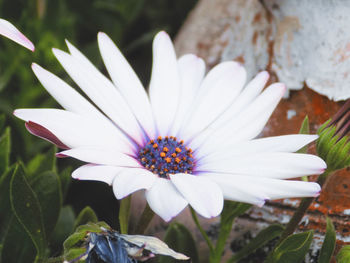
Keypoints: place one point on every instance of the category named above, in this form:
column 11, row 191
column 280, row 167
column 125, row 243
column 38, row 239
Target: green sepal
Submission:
column 293, row 249
column 180, row 239
column 304, row 129
column 328, row 244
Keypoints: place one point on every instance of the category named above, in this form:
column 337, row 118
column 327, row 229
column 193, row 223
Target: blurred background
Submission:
column 130, row 23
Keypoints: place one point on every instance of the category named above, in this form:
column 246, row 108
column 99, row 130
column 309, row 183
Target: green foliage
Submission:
column 344, row 255
column 5, row 150
column 293, row 249
column 328, row 244
column 179, row 238
column 266, row 235
column 87, row 215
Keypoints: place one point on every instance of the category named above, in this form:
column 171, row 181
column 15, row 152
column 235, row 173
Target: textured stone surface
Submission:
column 300, row 41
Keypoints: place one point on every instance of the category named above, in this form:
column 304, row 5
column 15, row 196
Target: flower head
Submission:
column 189, row 141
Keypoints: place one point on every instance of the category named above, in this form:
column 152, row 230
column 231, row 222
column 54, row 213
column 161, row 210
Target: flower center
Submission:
column 165, row 156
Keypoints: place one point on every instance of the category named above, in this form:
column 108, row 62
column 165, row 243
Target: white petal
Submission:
column 101, row 91
column 272, row 165
column 165, row 200
column 235, row 189
column 131, row 180
column 255, row 190
column 65, row 95
column 192, row 70
column 284, row 143
column 201, row 193
column 75, row 130
column 10, row 31
column 218, row 90
column 98, row 155
column 103, row 173
column 128, row 83
column 247, row 125
column 165, row 84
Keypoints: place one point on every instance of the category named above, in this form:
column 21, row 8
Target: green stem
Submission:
column 301, row 210
column 124, row 213
column 145, row 220
column 204, row 234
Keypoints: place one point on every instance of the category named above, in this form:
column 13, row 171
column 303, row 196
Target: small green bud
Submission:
column 333, row 144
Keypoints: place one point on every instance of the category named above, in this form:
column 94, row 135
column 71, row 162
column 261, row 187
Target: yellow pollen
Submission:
column 177, row 160
column 155, row 146
column 168, row 160
column 162, row 154
column 173, row 155
column 159, row 138
column 165, row 149
column 178, row 150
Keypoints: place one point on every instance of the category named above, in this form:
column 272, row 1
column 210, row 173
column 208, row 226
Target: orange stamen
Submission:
column 162, row 154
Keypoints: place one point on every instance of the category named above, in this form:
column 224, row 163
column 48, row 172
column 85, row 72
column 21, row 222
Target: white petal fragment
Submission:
column 219, row 89
column 165, row 200
column 256, row 190
column 101, row 91
column 75, row 130
column 10, row 31
column 131, row 180
column 192, row 70
column 165, row 84
column 201, row 193
column 271, row 165
column 103, row 173
column 127, row 82
column 98, row 155
column 285, row 143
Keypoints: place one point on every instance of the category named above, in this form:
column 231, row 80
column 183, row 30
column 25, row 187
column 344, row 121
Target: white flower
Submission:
column 125, row 135
column 10, row 31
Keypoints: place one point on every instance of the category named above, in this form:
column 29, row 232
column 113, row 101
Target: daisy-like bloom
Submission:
column 10, row 31
column 190, row 141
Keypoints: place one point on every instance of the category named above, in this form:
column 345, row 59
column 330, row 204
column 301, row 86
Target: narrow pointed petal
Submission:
column 255, row 190
column 165, row 200
column 201, row 193
column 10, row 31
column 192, row 70
column 99, row 155
column 127, row 82
column 165, row 83
column 74, row 130
column 102, row 92
column 64, row 94
column 271, row 165
column 285, row 143
column 237, row 190
column 94, row 172
column 129, row 181
column 218, row 91
column 247, row 125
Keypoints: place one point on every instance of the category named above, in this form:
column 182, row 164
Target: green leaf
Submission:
column 64, row 227
column 260, row 240
column 2, row 122
column 86, row 215
column 328, row 244
column 5, row 148
column 343, row 255
column 17, row 245
column 26, row 208
column 293, row 249
column 180, row 239
column 48, row 191
column 65, row 178
column 42, row 162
